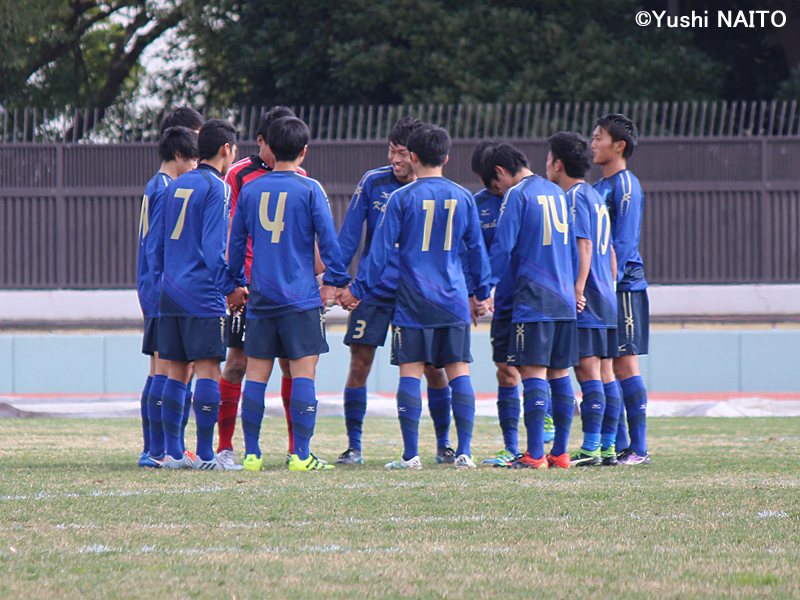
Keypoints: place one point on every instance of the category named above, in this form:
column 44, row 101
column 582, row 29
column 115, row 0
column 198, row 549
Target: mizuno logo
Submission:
column 206, row 408
column 311, row 409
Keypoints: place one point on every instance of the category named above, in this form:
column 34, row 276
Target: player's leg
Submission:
column 409, row 410
column 592, row 406
column 286, row 400
column 230, row 390
column 172, row 402
column 562, row 400
column 206, row 404
column 187, row 406
column 608, row 433
column 463, row 411
column 355, row 400
column 143, row 412
column 634, row 337
column 258, row 374
column 508, row 400
column 153, row 451
column 440, row 402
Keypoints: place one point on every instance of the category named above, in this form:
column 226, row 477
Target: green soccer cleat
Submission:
column 549, row 429
column 312, row 463
column 503, row 459
column 609, row 457
column 253, row 463
column 584, row 458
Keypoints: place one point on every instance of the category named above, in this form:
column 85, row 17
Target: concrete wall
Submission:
column 680, row 361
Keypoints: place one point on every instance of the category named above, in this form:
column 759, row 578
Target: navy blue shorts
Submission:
column 633, row 322
column 235, row 325
column 191, row 338
column 294, row 335
column 150, row 339
column 597, row 342
column 499, row 335
column 368, row 324
column 437, row 347
column 552, row 344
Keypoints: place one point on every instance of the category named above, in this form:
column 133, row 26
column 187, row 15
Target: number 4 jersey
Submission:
column 428, row 219
column 196, row 279
column 533, row 228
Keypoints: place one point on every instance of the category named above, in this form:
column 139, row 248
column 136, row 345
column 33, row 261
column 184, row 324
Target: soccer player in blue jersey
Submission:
column 428, row 219
column 533, row 230
column 195, row 286
column 567, row 165
column 508, row 400
column 282, row 212
column 613, row 142
column 369, row 322
column 178, row 150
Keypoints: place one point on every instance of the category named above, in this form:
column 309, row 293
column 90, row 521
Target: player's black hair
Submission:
column 268, row 118
column 477, row 154
column 287, row 137
column 177, row 140
column 573, row 151
column 402, row 129
column 214, row 134
column 621, row 129
column 431, row 144
column 184, row 117
column 501, row 155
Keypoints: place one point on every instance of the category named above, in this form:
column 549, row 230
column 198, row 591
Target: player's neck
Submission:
column 423, row 171
column 410, row 178
column 287, row 165
column 217, row 162
column 522, row 174
column 567, row 183
column 613, row 167
column 169, row 168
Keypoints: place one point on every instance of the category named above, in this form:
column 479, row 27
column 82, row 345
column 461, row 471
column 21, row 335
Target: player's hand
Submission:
column 346, row 299
column 327, row 294
column 237, row 299
column 581, row 303
column 474, row 308
column 486, row 306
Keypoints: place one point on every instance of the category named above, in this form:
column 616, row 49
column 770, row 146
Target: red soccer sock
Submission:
column 228, row 406
column 286, row 398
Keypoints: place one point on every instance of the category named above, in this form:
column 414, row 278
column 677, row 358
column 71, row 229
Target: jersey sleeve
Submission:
column 329, row 251
column 230, row 179
column 626, row 211
column 237, row 245
column 383, row 241
column 462, row 255
column 581, row 216
column 154, row 241
column 215, row 227
column 505, row 238
column 353, row 224
column 477, row 259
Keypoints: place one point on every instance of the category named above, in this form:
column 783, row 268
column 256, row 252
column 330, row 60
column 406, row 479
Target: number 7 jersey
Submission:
column 533, row 227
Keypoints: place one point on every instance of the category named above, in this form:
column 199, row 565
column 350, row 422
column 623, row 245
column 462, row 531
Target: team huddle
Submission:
column 246, row 255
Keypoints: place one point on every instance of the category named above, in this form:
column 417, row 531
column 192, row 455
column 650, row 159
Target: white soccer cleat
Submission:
column 228, row 458
column 184, row 462
column 411, row 463
column 214, row 465
column 464, row 462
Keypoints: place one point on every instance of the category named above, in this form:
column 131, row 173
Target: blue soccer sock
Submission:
column 508, row 407
column 157, row 442
column 535, row 393
column 187, row 408
column 593, row 408
column 634, row 395
column 252, row 415
column 304, row 414
column 355, row 408
column 622, row 442
column 563, row 402
column 409, row 409
column 439, row 403
column 143, row 411
column 206, row 411
column 608, row 432
column 172, row 399
column 463, row 412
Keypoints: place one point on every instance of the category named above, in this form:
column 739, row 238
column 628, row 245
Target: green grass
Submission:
column 717, row 515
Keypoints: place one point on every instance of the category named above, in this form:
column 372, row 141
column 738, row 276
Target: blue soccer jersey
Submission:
column 533, row 228
column 368, row 203
column 624, row 197
column 428, row 219
column 196, row 278
column 593, row 223
column 283, row 212
column 151, row 245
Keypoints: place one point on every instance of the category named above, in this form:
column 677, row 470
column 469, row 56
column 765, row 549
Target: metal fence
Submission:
column 718, row 209
column 463, row 121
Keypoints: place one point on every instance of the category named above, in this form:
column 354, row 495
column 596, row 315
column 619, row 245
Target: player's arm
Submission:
column 213, row 241
column 237, row 241
column 154, row 240
column 230, row 179
column 383, row 241
column 353, row 224
column 319, row 266
column 477, row 258
column 505, row 238
column 628, row 204
column 613, row 262
column 583, row 236
column 329, row 251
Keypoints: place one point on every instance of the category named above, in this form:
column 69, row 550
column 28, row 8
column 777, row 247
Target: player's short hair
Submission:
column 183, row 117
column 500, row 155
column 621, row 129
column 269, row 117
column 177, row 140
column 431, row 144
column 402, row 129
column 477, row 154
column 573, row 151
column 287, row 137
column 214, row 134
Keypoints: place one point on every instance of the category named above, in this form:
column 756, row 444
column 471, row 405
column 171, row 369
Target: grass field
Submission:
column 717, row 515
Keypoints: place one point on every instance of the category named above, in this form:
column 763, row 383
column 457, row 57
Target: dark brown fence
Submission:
column 718, row 209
